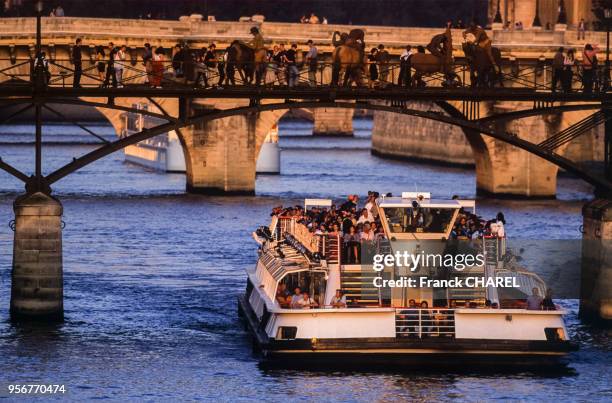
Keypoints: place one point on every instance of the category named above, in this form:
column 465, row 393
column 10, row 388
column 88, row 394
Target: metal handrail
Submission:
column 61, row 72
column 424, row 322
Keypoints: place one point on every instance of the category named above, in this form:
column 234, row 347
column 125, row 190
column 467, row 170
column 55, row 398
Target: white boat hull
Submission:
column 159, row 156
column 269, row 159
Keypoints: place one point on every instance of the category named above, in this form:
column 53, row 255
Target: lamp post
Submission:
column 608, row 16
column 39, row 10
column 39, row 84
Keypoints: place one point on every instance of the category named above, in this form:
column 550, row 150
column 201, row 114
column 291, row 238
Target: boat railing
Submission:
column 421, row 323
column 494, row 248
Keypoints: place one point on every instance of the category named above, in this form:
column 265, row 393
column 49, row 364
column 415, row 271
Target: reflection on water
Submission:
column 152, row 275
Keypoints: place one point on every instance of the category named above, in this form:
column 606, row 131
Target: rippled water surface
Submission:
column 152, row 275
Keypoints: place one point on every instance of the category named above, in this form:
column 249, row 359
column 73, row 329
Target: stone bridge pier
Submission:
column 37, row 274
column 502, row 170
column 221, row 155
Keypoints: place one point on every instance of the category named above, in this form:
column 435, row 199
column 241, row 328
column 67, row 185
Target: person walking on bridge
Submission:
column 147, row 60
column 568, row 65
column 589, row 64
column 78, row 64
column 111, row 75
column 482, row 40
column 404, row 73
column 257, row 44
column 557, row 65
column 118, row 64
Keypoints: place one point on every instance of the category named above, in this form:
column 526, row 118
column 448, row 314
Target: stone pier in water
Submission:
column 37, row 276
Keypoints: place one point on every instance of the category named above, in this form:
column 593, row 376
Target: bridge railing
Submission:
column 61, row 73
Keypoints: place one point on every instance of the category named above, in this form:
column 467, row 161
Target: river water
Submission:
column 152, row 275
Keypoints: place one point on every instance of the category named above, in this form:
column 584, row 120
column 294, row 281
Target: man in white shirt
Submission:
column 371, row 204
column 118, row 65
column 367, row 234
column 311, row 60
column 338, row 300
column 296, row 298
column 365, row 217
column 404, row 74
column 306, row 302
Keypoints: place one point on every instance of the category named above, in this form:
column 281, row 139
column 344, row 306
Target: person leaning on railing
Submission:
column 311, row 61
column 557, row 67
column 589, row 64
column 338, row 300
column 290, row 60
column 157, row 73
column 118, row 64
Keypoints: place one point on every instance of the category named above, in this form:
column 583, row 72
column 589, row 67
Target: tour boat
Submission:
column 160, row 153
column 165, row 152
column 487, row 323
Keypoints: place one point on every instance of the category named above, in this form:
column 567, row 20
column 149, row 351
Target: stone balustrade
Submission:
column 62, row 31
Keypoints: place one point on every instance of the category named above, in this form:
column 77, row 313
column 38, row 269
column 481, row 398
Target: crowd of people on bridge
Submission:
column 292, row 65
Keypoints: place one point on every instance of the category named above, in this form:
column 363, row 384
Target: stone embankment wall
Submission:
column 414, row 138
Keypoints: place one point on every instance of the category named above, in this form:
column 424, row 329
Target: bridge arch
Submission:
column 500, row 169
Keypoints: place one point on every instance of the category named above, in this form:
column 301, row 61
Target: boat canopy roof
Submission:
column 425, row 203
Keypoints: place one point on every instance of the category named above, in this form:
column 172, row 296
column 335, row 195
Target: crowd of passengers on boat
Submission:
column 359, row 226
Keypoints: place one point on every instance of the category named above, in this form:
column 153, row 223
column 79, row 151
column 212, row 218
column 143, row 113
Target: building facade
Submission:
column 513, row 11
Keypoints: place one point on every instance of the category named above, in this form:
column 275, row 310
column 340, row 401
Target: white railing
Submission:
column 420, row 323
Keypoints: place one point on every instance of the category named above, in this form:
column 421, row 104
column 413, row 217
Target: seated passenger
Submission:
column 283, row 296
column 338, row 300
column 534, row 302
column 547, row 302
column 426, row 319
column 412, row 319
column 306, row 302
column 295, row 298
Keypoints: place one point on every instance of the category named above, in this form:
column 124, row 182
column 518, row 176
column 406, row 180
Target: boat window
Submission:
column 312, row 282
column 420, row 219
column 286, row 332
column 554, row 333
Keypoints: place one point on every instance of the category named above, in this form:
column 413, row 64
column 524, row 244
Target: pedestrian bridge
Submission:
column 213, row 122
